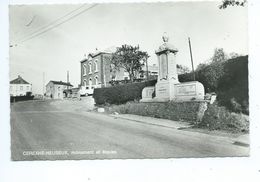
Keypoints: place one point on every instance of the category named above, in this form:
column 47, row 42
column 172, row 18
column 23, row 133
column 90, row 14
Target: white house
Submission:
column 55, row 89
column 19, row 87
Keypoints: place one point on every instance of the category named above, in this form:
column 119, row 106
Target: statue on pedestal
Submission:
column 163, row 54
column 168, row 87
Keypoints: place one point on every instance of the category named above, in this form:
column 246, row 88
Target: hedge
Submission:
column 20, row 98
column 229, row 79
column 121, row 94
column 178, row 111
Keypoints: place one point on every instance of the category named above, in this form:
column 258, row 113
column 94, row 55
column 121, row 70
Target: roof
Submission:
column 60, row 83
column 108, row 50
column 19, row 80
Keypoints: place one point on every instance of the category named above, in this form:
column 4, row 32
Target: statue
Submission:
column 168, row 87
column 163, row 57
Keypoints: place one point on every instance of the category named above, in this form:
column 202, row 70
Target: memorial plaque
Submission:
column 162, row 90
column 185, row 90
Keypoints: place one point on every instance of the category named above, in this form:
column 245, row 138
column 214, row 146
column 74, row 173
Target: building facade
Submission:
column 55, row 89
column 97, row 71
column 20, row 87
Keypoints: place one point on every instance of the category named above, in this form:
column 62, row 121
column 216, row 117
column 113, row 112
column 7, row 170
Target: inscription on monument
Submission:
column 186, row 90
column 162, row 90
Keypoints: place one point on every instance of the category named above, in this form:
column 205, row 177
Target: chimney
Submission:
column 68, row 79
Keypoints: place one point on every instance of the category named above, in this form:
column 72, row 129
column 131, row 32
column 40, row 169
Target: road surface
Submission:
column 41, row 131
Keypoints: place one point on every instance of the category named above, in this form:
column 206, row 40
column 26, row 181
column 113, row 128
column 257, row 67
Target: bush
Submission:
column 120, row 94
column 233, row 85
column 219, row 118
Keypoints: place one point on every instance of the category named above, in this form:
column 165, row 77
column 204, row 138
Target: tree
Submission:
column 226, row 3
column 219, row 55
column 233, row 55
column 209, row 73
column 181, row 69
column 130, row 58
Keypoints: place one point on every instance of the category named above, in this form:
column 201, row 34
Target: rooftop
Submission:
column 108, row 50
column 19, row 80
column 61, row 83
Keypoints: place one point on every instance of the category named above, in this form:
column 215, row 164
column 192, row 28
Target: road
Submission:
column 41, row 131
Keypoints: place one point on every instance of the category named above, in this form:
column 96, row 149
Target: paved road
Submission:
column 40, row 131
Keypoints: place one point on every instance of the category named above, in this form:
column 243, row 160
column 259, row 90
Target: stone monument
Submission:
column 168, row 86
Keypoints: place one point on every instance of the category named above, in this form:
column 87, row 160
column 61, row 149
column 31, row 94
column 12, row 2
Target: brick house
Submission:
column 97, row 70
column 55, row 89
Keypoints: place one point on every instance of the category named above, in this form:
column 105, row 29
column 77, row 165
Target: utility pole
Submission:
column 68, row 81
column 191, row 59
column 146, row 68
column 43, row 83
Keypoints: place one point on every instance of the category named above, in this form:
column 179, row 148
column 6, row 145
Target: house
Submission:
column 97, row 70
column 55, row 89
column 20, row 87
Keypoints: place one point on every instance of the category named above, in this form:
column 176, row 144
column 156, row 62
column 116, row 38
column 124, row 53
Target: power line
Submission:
column 50, row 23
column 50, row 28
column 40, row 33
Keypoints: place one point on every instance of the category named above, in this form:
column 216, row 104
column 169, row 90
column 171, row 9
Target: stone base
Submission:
column 189, row 91
column 167, row 91
column 147, row 94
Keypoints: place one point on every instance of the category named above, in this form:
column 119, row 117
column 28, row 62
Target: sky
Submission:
column 61, row 49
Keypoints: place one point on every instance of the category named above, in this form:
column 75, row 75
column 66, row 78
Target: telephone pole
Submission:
column 43, row 83
column 191, row 59
column 147, row 74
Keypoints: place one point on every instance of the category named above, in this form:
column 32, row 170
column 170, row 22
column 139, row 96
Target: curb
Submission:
column 155, row 124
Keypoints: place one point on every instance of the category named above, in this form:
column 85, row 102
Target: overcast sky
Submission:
column 105, row 25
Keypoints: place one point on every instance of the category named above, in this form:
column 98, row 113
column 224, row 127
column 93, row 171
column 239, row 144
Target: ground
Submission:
column 51, row 130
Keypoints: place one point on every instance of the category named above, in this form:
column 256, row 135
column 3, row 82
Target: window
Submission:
column 28, row 88
column 96, row 66
column 11, row 88
column 59, row 88
column 90, row 67
column 21, row 87
column 90, row 82
column 96, row 80
column 85, row 82
column 84, row 69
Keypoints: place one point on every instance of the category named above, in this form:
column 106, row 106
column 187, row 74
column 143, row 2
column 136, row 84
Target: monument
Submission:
column 168, row 87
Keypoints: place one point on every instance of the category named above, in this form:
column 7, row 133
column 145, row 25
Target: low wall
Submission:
column 192, row 111
column 20, row 98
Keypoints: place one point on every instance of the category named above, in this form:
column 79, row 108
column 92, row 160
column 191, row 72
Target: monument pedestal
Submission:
column 168, row 87
column 179, row 92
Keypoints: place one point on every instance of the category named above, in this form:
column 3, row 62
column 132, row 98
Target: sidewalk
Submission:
column 154, row 121
column 242, row 140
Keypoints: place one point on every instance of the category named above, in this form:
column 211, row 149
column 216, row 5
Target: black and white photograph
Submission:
column 139, row 80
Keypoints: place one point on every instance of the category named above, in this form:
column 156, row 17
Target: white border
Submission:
column 206, row 169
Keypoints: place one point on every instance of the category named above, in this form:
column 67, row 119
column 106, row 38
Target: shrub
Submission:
column 233, row 85
column 120, row 94
column 219, row 118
